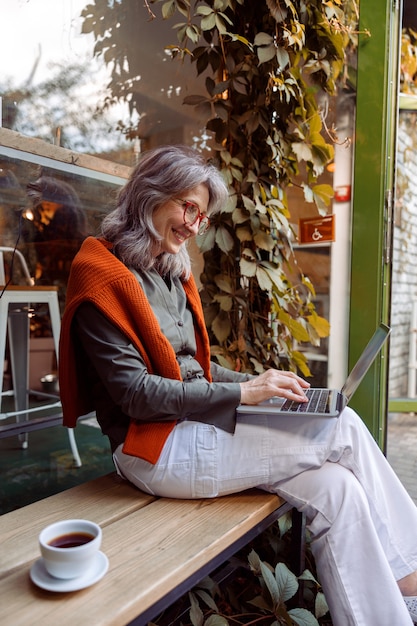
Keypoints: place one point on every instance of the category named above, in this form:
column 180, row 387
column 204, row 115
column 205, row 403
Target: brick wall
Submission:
column 404, row 282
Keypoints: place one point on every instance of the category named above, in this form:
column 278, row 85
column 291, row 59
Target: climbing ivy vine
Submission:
column 269, row 67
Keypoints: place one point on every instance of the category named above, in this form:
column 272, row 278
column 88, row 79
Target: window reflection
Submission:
column 53, row 229
column 46, row 213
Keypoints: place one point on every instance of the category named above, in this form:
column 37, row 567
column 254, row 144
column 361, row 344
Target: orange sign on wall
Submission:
column 316, row 229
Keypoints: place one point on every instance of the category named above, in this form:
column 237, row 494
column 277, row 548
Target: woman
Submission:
column 135, row 349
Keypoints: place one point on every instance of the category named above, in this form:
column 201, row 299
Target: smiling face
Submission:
column 168, row 219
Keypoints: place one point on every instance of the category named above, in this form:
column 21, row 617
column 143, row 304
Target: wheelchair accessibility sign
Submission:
column 316, row 229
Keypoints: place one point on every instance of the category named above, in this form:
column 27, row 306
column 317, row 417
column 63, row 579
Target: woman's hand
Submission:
column 274, row 383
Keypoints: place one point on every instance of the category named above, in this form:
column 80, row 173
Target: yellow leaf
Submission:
column 301, row 363
column 320, row 324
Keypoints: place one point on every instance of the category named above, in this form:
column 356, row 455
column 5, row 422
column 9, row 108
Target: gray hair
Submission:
column 163, row 173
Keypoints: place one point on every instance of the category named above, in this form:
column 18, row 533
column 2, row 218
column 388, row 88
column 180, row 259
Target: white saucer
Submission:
column 42, row 579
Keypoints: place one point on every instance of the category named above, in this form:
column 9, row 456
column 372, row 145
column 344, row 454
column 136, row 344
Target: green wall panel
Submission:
column 373, row 182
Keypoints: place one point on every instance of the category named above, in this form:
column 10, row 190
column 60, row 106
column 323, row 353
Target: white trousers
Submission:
column 362, row 521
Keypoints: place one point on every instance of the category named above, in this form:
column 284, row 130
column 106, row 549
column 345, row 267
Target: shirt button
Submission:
column 180, row 323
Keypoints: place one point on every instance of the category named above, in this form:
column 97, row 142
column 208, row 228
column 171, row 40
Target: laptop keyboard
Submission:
column 317, row 402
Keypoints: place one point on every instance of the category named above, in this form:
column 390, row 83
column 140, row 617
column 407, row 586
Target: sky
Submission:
column 54, row 25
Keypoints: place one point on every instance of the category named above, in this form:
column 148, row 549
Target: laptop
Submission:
column 325, row 402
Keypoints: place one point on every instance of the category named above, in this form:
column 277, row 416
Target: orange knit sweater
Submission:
column 97, row 276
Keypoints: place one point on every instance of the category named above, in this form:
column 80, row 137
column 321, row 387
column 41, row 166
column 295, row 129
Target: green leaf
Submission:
column 315, row 124
column 271, row 584
column 286, row 581
column 283, row 57
column 240, row 85
column 209, row 22
column 239, row 216
column 226, row 302
column 302, row 617
column 196, row 614
column 224, row 239
column 221, row 359
column 275, row 274
column 193, row 100
column 224, row 16
column 249, row 254
column 254, row 562
column 248, row 203
column 206, row 598
column 221, row 326
column 302, row 151
column 266, row 53
column 193, row 33
column 252, row 123
column 216, row 620
column 237, row 174
column 168, row 9
column 221, row 87
column 220, row 5
column 230, row 205
column 225, row 156
column 224, row 283
column 322, row 195
column 244, row 233
column 247, row 268
column 183, row 7
column 204, row 10
column 220, row 25
column 263, row 39
column 264, row 281
column 320, row 605
column 284, row 523
column 237, row 162
column 206, row 242
column 308, row 193
column 264, row 240
column 236, row 37
column 261, row 603
column 307, row 575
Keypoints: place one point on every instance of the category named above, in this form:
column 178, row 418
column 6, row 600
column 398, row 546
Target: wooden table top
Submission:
column 152, row 545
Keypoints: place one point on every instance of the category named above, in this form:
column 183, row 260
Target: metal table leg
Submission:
column 18, row 324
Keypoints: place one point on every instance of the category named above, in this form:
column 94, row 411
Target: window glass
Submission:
column 47, row 208
column 50, row 82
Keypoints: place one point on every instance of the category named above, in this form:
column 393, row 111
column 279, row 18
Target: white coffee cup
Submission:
column 69, row 547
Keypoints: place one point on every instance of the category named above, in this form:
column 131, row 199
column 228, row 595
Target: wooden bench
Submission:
column 158, row 548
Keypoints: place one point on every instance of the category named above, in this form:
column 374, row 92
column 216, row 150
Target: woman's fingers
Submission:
column 274, row 383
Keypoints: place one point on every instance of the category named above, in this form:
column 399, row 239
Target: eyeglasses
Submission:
column 192, row 214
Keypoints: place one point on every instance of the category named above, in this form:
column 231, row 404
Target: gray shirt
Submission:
column 123, row 388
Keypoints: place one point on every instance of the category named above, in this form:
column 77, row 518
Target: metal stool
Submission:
column 14, row 319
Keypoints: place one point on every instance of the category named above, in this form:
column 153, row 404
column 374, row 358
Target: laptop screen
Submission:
column 365, row 360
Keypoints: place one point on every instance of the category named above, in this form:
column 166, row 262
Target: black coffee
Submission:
column 71, row 540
